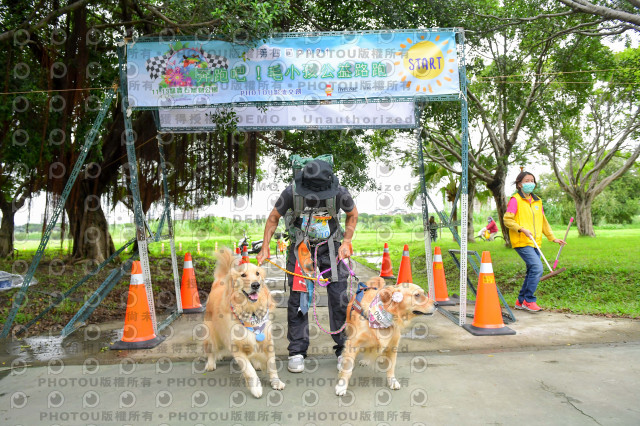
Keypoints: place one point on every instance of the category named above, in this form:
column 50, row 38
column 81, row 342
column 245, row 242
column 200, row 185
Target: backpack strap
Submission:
column 298, row 202
column 332, row 256
column 331, row 207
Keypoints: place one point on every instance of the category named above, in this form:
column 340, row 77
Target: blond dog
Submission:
column 238, row 319
column 375, row 331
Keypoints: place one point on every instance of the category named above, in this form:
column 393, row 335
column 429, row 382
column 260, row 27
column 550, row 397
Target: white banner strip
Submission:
column 335, row 116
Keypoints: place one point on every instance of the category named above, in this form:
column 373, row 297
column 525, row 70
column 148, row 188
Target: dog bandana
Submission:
column 378, row 317
column 257, row 325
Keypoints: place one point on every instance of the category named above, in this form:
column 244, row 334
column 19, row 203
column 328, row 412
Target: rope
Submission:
column 293, row 273
column 315, row 293
column 115, row 86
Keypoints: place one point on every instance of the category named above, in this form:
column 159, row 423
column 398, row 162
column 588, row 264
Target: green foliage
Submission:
column 349, row 149
column 619, row 203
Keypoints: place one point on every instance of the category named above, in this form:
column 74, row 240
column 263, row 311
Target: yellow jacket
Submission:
column 522, row 213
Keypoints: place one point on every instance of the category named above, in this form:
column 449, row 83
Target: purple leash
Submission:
column 315, row 294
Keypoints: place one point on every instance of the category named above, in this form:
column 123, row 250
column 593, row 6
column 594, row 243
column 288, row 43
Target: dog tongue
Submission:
column 253, row 296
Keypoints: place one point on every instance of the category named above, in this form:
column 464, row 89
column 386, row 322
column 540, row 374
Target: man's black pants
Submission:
column 298, row 324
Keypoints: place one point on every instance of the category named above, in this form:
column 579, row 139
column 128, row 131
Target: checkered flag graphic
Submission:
column 215, row 61
column 157, row 65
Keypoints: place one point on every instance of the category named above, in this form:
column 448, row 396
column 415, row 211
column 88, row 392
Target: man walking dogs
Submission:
column 311, row 207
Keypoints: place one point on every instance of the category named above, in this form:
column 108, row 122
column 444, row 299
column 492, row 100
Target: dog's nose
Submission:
column 255, row 285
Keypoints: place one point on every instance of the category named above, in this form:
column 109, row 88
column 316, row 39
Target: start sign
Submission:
column 293, row 68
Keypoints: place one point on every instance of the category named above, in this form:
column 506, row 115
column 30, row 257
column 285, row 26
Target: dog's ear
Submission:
column 375, row 282
column 235, row 273
column 385, row 295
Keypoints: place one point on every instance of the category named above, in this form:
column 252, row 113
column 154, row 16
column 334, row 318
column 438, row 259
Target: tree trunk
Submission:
column 454, row 218
column 6, row 230
column 471, row 188
column 584, row 221
column 497, row 190
column 88, row 226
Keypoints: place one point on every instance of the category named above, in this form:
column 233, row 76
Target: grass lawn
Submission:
column 602, row 276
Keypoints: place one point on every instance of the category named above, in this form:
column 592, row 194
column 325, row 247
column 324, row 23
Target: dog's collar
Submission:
column 256, row 325
column 378, row 316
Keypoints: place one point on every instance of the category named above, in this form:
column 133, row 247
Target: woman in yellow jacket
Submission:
column 526, row 220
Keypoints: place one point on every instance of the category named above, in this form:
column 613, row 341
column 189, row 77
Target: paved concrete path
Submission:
column 568, row 386
column 557, row 369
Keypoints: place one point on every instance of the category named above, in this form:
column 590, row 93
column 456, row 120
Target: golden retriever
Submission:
column 237, row 317
column 393, row 308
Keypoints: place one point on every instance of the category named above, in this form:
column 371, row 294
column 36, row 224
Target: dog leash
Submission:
column 293, row 273
column 352, row 275
column 318, row 280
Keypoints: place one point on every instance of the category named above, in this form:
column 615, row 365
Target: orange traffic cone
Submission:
column 387, row 267
column 404, row 273
column 245, row 254
column 189, row 288
column 238, row 250
column 138, row 330
column 487, row 319
column 439, row 280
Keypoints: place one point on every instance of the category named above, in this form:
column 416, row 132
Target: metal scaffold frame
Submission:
column 144, row 235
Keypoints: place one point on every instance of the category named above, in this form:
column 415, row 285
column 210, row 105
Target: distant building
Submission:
column 398, row 211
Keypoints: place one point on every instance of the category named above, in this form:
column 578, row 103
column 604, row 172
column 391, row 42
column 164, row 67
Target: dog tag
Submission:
column 260, row 337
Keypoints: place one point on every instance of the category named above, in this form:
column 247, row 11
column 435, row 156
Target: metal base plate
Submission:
column 194, row 310
column 450, row 302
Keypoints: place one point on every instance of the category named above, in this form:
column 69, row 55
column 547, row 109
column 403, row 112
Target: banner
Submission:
column 396, row 115
column 293, row 69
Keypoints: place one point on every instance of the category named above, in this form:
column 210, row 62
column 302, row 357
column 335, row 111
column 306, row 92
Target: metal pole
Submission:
column 425, row 219
column 167, row 212
column 141, row 225
column 465, row 180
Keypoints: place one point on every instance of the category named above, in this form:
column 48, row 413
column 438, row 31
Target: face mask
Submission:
column 528, row 187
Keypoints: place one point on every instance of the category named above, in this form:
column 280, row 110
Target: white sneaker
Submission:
column 340, row 363
column 296, row 364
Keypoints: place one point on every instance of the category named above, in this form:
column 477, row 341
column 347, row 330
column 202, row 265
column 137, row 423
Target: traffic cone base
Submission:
column 146, row 344
column 189, row 288
column 477, row 331
column 194, row 310
column 386, row 270
column 487, row 317
column 138, row 332
column 449, row 302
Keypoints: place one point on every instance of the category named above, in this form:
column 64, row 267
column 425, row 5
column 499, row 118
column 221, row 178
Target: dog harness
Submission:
column 378, row 317
column 257, row 325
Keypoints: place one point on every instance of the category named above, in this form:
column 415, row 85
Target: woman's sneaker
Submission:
column 531, row 306
column 519, row 305
column 296, row 364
